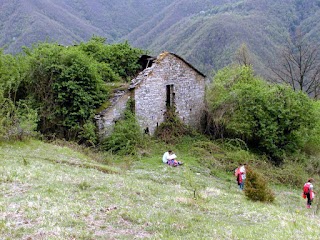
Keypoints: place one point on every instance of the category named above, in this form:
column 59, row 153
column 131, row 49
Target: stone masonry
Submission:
column 169, row 81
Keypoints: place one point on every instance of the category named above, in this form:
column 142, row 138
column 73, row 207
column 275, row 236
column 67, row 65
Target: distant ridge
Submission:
column 206, row 33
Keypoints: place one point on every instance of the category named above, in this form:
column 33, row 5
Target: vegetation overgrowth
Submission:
column 52, row 92
column 49, row 191
column 58, row 88
column 271, row 118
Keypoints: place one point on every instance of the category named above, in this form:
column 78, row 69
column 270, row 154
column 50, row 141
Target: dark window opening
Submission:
column 170, row 96
column 146, row 61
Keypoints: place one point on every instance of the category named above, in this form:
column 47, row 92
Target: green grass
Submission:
column 54, row 192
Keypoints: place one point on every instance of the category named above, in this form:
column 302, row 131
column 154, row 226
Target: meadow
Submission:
column 54, row 191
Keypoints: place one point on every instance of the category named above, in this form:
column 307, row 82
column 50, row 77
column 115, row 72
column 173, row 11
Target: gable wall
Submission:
column 150, row 95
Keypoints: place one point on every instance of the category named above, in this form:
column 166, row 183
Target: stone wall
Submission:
column 149, row 90
column 107, row 118
column 151, row 93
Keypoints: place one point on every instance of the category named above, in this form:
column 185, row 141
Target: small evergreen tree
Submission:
column 256, row 187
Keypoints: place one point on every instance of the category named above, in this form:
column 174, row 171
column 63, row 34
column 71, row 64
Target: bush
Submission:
column 17, row 122
column 271, row 118
column 66, row 88
column 208, row 146
column 172, row 129
column 313, row 166
column 88, row 134
column 291, row 174
column 126, row 137
column 118, row 60
column 256, row 187
column 312, row 146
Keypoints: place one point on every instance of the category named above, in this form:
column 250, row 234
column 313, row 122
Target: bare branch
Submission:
column 299, row 67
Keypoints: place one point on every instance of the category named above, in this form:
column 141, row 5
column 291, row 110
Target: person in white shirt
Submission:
column 243, row 171
column 170, row 158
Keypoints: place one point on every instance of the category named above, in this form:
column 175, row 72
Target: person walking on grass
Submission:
column 240, row 174
column 308, row 192
column 243, row 172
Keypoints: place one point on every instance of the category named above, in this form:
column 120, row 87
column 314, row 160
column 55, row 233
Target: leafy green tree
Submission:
column 11, row 74
column 117, row 60
column 17, row 120
column 65, row 86
column 272, row 118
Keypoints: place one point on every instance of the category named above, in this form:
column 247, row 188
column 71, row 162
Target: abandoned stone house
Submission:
column 166, row 81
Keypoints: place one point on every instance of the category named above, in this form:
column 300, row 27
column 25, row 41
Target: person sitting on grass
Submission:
column 170, row 158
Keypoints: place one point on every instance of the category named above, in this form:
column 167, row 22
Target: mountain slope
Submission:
column 210, row 38
column 205, row 32
column 24, row 22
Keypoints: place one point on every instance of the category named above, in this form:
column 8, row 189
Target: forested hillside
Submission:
column 24, row 22
column 210, row 36
column 205, row 32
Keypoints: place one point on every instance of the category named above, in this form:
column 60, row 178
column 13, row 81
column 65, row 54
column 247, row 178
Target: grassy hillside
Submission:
column 54, row 192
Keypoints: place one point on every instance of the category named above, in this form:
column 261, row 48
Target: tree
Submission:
column 243, row 56
column 117, row 60
column 11, row 74
column 271, row 118
column 65, row 86
column 299, row 66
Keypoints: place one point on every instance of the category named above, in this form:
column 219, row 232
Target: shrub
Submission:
column 256, row 187
column 126, row 136
column 119, row 60
column 271, row 118
column 88, row 134
column 313, row 166
column 290, row 174
column 209, row 146
column 17, row 122
column 66, row 88
column 172, row 129
column 312, row 146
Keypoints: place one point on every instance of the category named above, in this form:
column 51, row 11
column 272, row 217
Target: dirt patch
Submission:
column 100, row 225
column 15, row 189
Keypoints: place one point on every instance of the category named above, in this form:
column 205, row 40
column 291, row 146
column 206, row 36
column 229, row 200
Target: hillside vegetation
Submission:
column 51, row 192
column 84, row 186
column 208, row 38
column 205, row 32
column 68, row 22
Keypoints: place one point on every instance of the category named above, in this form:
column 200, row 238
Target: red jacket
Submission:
column 239, row 177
